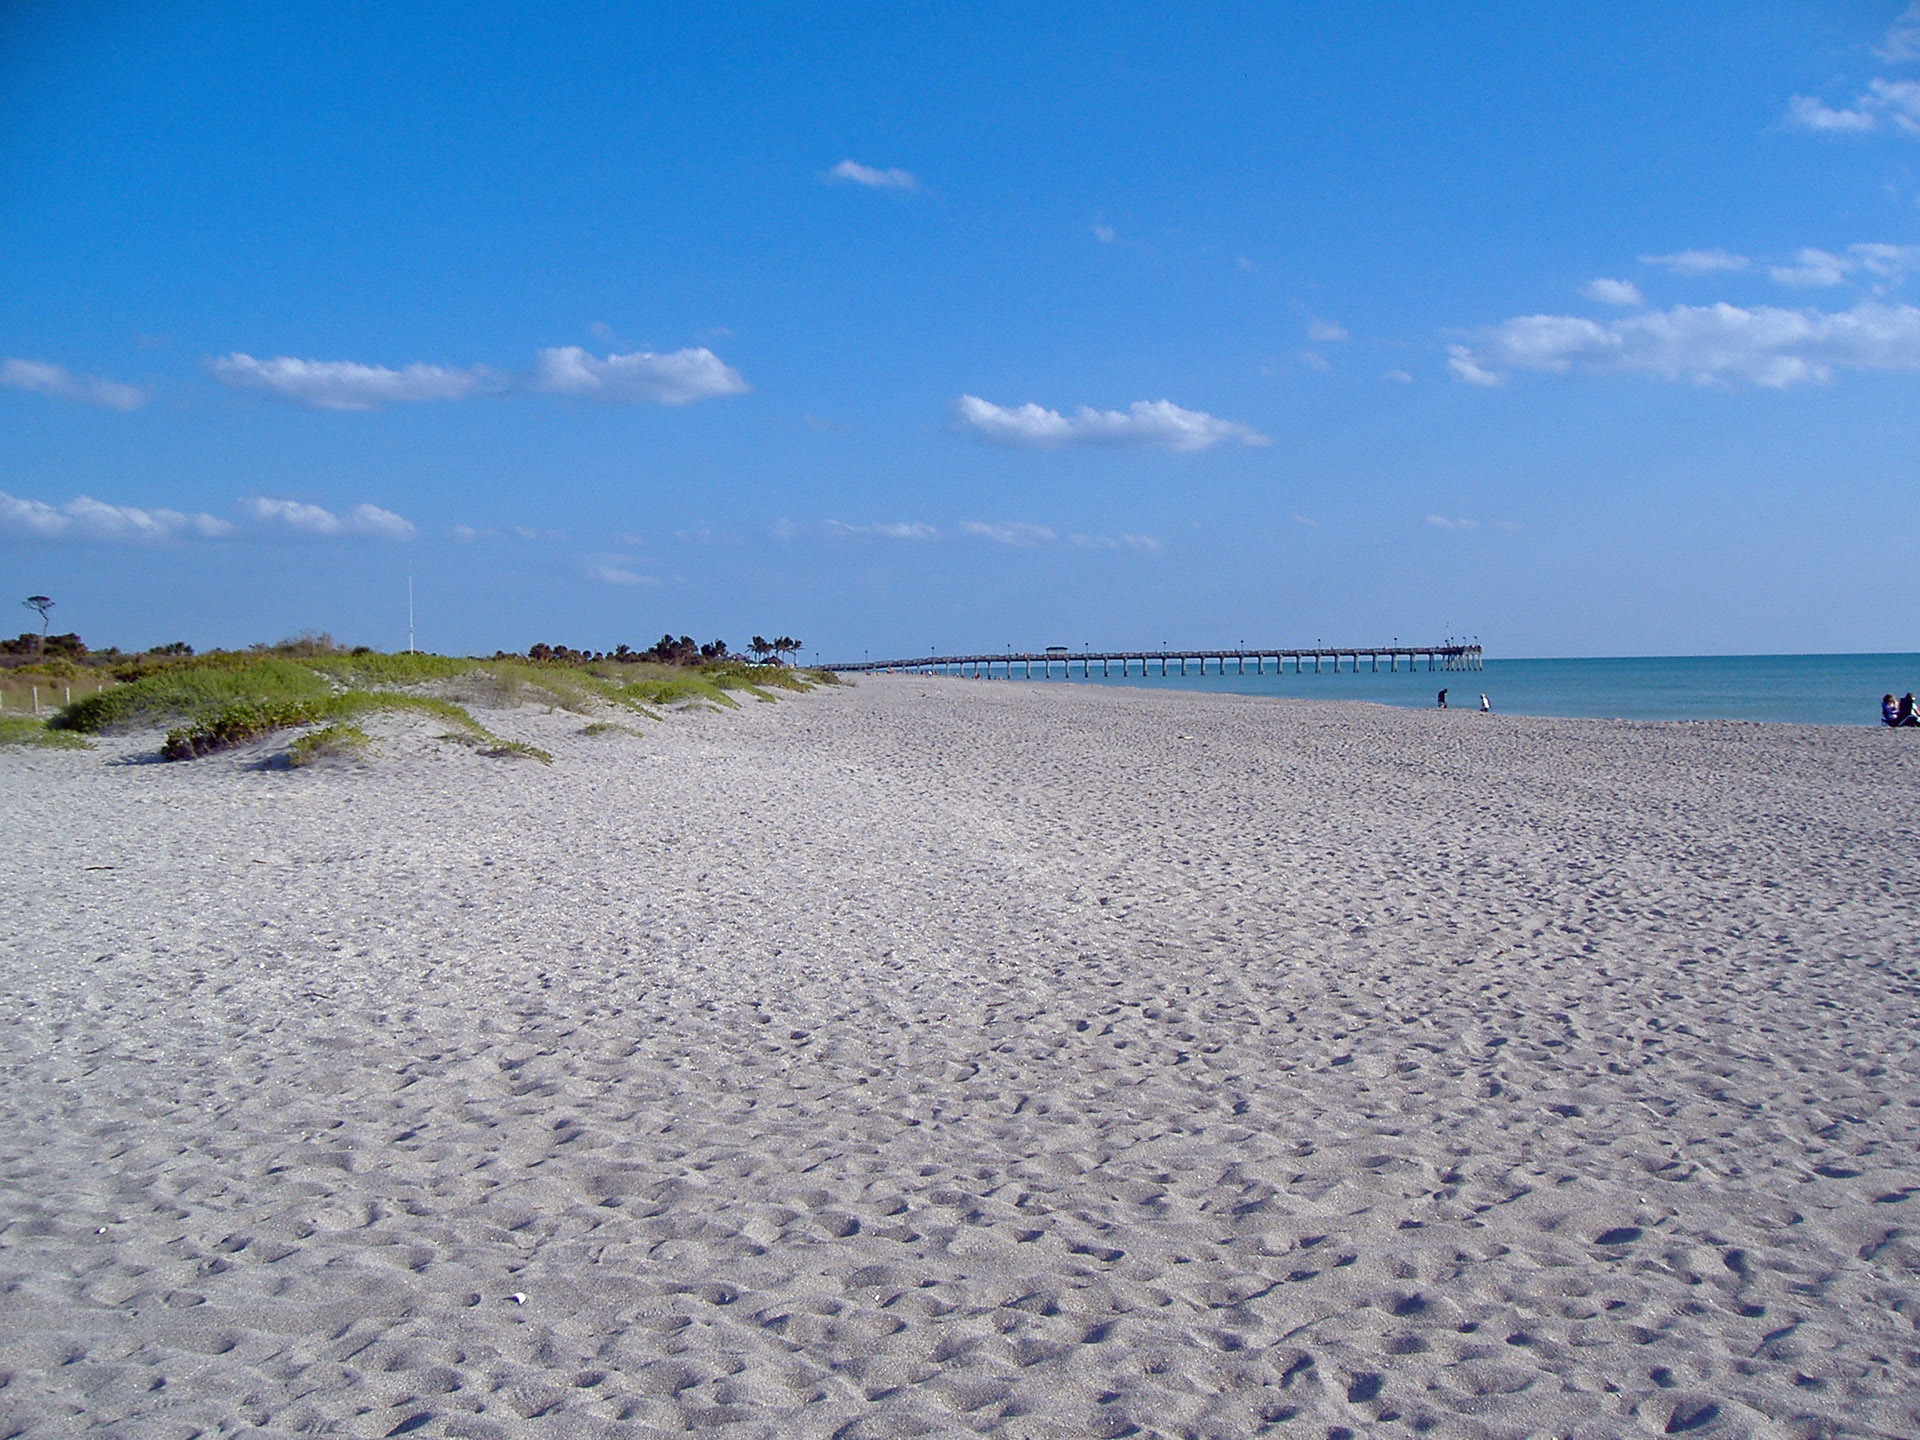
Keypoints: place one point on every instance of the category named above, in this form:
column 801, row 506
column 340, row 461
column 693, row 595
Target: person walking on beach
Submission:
column 1441, row 703
column 1486, row 705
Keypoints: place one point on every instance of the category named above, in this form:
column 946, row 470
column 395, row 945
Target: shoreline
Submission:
column 1018, row 1060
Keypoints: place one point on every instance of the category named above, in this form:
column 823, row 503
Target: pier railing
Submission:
column 1438, row 658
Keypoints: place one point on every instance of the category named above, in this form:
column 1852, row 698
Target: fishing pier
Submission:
column 1438, row 658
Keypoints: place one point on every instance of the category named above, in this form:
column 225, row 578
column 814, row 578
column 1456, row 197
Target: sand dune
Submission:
column 938, row 1057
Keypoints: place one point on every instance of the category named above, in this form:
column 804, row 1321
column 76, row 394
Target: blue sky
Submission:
column 906, row 327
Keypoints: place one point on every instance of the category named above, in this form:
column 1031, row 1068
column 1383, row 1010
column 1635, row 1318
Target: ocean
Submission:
column 1796, row 689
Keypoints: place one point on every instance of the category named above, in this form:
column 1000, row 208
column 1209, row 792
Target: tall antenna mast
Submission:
column 409, row 605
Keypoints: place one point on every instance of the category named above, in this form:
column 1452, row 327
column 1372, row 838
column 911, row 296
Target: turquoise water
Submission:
column 1798, row 689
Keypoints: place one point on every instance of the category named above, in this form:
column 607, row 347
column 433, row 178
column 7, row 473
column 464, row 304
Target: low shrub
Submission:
column 191, row 690
column 343, row 738
column 236, row 724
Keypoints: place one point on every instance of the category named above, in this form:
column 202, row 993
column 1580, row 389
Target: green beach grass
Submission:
column 217, row 701
column 25, row 730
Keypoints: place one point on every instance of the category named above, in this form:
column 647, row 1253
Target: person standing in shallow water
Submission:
column 1441, row 703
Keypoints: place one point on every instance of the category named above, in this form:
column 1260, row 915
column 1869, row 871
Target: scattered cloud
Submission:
column 1314, row 360
column 1884, row 104
column 1806, row 112
column 346, row 384
column 1902, row 41
column 601, row 331
column 364, row 521
column 1622, row 293
column 1445, row 523
column 1148, row 543
column 642, row 376
column 1710, row 344
column 1105, row 234
column 1325, row 332
column 673, row 379
column 1013, row 533
column 1300, row 519
column 884, row 530
column 1400, row 377
column 1698, row 262
column 467, row 534
column 1812, row 268
column 1245, row 266
column 608, row 574
column 84, row 518
column 38, row 377
column 854, row 173
column 1465, row 368
column 1158, row 423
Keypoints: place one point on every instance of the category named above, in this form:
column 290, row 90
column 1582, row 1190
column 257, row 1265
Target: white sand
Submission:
column 946, row 1057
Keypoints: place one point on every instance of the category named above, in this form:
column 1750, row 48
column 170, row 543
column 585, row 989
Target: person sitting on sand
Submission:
column 1889, row 712
column 1441, row 703
column 1905, row 715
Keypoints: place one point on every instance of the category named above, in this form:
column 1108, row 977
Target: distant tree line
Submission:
column 667, row 651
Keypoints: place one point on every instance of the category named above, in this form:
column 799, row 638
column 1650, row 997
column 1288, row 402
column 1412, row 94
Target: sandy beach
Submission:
column 947, row 1057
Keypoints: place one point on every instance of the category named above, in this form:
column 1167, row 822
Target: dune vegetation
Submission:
column 226, row 698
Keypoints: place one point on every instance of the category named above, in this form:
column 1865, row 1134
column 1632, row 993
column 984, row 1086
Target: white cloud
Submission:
column 1712, row 344
column 1888, row 260
column 1613, row 292
column 672, row 379
column 857, row 174
column 1821, row 267
column 1890, row 104
column 1105, row 234
column 366, row 521
column 466, row 534
column 1698, row 262
column 347, row 384
column 1148, row 543
column 1300, row 519
column 1158, row 423
column 618, row 575
column 1445, row 523
column 1464, row 367
column 1012, row 533
column 84, row 518
column 1811, row 269
column 1325, row 332
column 897, row 530
column 1806, row 112
column 41, row 378
column 1314, row 360
column 1902, row 42
column 1400, row 377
